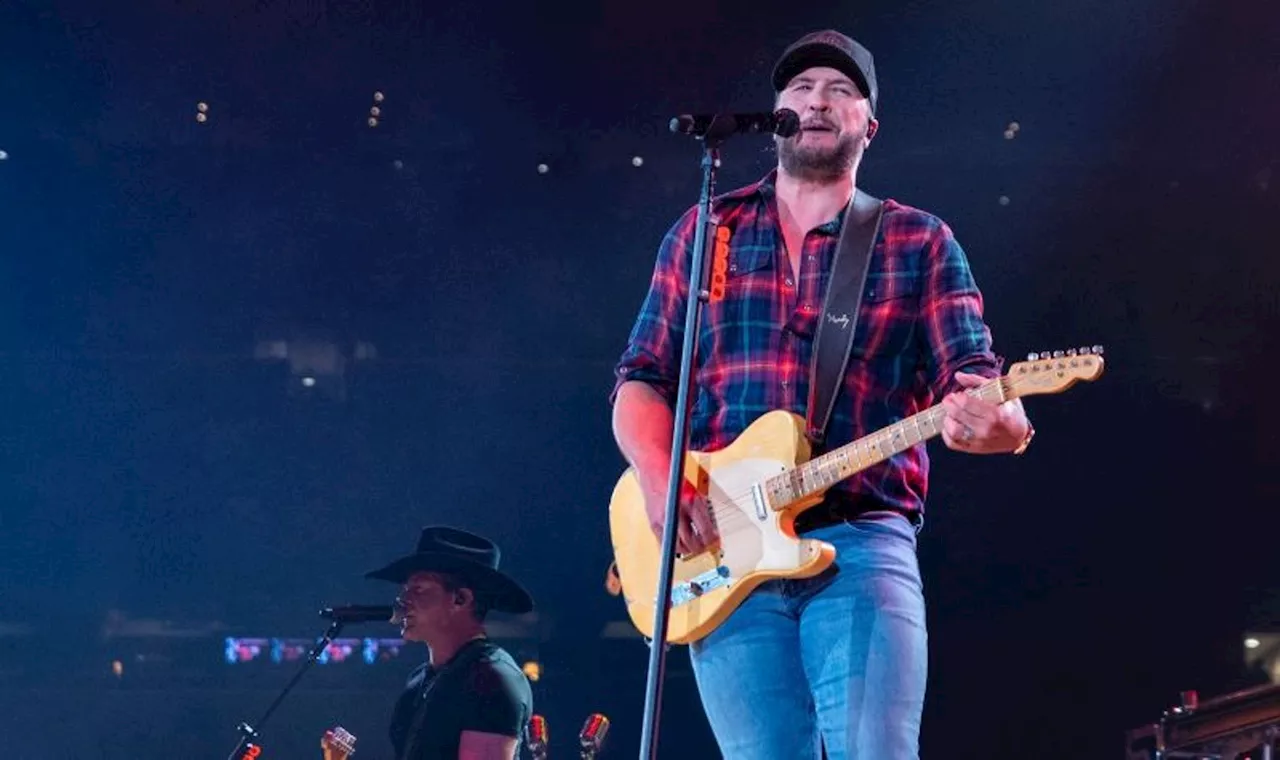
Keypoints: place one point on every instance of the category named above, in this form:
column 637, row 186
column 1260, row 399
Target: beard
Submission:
column 819, row 163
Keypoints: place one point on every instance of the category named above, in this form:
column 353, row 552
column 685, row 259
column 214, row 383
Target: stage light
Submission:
column 543, row 168
column 1252, row 643
column 3, row 155
column 637, row 161
column 532, row 670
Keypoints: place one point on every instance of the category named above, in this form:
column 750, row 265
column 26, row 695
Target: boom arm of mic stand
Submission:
column 249, row 732
column 697, row 296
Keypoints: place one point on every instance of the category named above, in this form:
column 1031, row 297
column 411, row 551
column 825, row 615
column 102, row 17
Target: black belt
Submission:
column 840, row 506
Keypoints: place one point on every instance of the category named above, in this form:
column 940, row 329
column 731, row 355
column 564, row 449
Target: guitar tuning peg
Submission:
column 1071, row 352
column 1033, row 356
column 1097, row 350
column 1057, row 354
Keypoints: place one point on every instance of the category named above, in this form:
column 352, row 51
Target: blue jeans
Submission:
column 835, row 662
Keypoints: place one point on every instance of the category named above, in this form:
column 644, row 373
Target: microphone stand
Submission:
column 717, row 132
column 249, row 732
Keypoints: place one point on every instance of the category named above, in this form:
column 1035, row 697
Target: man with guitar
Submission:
column 469, row 700
column 835, row 659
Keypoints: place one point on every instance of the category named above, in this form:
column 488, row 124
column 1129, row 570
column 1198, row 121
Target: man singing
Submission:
column 469, row 700
column 838, row 661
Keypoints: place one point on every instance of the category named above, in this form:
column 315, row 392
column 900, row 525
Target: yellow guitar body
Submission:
column 757, row 542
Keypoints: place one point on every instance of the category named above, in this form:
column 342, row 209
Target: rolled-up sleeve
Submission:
column 652, row 353
column 952, row 316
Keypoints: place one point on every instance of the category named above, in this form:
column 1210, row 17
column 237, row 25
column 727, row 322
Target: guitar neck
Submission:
column 822, row 472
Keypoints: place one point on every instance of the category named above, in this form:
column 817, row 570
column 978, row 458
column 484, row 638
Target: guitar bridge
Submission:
column 758, row 499
column 699, row 585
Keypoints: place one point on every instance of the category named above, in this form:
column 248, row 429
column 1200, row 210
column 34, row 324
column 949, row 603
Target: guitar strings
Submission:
column 725, row 511
column 725, row 507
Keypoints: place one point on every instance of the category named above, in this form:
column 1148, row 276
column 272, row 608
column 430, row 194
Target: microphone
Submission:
column 536, row 734
column 784, row 122
column 362, row 613
column 591, row 738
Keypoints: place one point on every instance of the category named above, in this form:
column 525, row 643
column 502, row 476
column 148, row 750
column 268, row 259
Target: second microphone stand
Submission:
column 250, row 732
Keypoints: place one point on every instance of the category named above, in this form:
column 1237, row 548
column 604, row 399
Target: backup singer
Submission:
column 469, row 700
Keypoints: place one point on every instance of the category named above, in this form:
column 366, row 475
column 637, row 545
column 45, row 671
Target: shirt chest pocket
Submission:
column 749, row 259
column 736, row 298
column 887, row 319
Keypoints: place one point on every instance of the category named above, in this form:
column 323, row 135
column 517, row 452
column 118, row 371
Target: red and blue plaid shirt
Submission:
column 920, row 322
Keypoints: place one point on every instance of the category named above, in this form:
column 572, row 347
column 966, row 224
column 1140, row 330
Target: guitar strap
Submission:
column 838, row 321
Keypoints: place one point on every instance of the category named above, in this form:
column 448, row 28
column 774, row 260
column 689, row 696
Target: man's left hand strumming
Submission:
column 976, row 426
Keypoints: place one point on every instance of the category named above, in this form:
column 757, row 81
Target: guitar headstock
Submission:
column 1054, row 371
column 338, row 744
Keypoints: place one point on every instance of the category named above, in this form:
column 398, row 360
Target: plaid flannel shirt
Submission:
column 920, row 321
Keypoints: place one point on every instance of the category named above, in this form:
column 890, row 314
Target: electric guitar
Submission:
column 338, row 744
column 755, row 488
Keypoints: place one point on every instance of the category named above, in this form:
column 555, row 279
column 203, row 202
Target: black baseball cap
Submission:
column 829, row 48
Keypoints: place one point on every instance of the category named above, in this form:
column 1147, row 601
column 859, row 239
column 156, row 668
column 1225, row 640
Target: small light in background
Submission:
column 1004, row 200
column 308, row 381
column 532, row 670
column 3, row 155
column 637, row 161
column 543, row 168
column 397, row 164
column 612, row 581
column 117, row 668
column 373, row 121
column 1252, row 643
column 377, row 96
column 202, row 112
column 1011, row 131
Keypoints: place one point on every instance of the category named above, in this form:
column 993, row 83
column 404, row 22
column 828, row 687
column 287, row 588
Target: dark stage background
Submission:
column 168, row 479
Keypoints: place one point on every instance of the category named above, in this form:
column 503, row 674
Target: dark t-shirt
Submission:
column 480, row 689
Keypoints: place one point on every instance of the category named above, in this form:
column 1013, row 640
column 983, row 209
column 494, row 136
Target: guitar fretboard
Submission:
column 820, row 473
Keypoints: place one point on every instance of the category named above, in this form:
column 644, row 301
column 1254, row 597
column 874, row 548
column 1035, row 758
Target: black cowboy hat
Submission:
column 458, row 552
